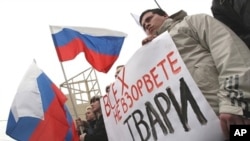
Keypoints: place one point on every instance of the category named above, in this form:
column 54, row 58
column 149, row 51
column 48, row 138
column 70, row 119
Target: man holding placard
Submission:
column 214, row 55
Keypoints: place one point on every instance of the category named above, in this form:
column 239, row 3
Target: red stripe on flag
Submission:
column 54, row 127
column 99, row 61
column 71, row 50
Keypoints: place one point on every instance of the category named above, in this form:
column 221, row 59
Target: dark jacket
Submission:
column 90, row 129
column 236, row 15
column 99, row 133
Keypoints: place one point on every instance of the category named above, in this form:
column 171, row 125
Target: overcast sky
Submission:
column 25, row 35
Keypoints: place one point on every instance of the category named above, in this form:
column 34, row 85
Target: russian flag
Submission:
column 101, row 46
column 38, row 110
column 72, row 134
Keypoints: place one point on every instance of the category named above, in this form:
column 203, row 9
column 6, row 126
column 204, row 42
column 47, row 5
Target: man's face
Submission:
column 96, row 107
column 90, row 115
column 78, row 122
column 151, row 22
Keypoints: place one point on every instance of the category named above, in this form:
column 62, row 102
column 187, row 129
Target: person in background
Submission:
column 91, row 119
column 235, row 14
column 81, row 126
column 217, row 59
column 107, row 89
column 99, row 133
column 118, row 69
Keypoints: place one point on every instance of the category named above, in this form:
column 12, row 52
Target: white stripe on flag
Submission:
column 89, row 30
column 28, row 96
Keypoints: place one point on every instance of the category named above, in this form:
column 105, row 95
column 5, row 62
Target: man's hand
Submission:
column 228, row 119
column 82, row 136
column 148, row 39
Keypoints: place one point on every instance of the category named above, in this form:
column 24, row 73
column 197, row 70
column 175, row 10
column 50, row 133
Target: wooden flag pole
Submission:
column 70, row 94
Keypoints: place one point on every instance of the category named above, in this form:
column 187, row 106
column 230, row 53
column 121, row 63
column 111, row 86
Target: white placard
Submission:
column 155, row 98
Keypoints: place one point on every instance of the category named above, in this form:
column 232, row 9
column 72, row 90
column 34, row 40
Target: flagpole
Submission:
column 70, row 94
column 157, row 4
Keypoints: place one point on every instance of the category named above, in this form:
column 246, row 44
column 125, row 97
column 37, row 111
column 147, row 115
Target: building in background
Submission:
column 79, row 89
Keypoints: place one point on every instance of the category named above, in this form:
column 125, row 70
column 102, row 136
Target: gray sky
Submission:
column 25, row 35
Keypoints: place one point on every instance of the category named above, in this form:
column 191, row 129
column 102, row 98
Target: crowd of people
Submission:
column 219, row 44
column 93, row 129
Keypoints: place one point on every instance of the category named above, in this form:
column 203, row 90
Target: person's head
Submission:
column 95, row 104
column 78, row 121
column 152, row 19
column 107, row 89
column 118, row 69
column 90, row 115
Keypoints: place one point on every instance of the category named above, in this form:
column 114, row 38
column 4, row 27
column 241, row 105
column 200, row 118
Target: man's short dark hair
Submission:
column 95, row 98
column 155, row 11
column 118, row 70
column 107, row 89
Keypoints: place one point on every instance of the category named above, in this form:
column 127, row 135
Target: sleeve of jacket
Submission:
column 232, row 60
